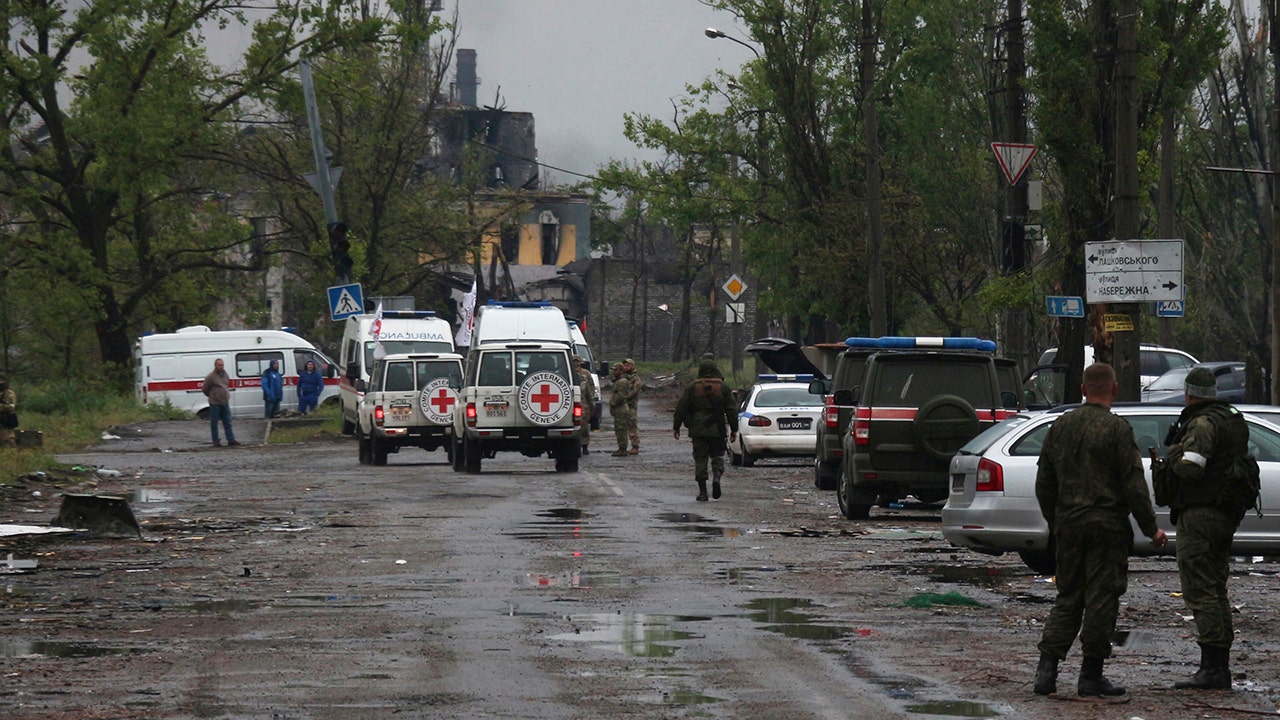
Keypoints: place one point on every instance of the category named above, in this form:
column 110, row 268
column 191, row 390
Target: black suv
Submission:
column 917, row 402
column 835, row 414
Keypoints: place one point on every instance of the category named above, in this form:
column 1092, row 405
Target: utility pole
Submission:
column 1274, row 185
column 878, row 307
column 339, row 246
column 1013, row 230
column 1126, row 344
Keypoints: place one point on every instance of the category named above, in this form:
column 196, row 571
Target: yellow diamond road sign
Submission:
column 734, row 287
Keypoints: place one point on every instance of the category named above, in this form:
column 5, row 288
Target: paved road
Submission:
column 292, row 582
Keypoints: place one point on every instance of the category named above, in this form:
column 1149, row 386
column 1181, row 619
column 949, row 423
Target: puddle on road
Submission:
column 40, row 648
column 969, row 575
column 777, row 616
column 222, row 606
column 150, row 495
column 581, row 580
column 953, row 708
column 634, row 635
column 737, row 576
column 561, row 524
column 697, row 524
column 679, row 697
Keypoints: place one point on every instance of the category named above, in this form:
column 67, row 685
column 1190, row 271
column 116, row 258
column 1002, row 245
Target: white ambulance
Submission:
column 417, row 332
column 171, row 367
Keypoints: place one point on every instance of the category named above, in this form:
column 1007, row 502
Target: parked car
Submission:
column 1153, row 360
column 918, row 401
column 992, row 505
column 1169, row 388
column 778, row 417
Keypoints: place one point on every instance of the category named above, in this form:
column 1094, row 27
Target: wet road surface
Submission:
column 292, row 582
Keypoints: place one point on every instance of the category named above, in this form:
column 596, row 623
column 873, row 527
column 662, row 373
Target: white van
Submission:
column 171, row 367
column 583, row 350
column 417, row 332
column 513, row 322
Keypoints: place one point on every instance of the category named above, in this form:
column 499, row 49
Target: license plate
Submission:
column 793, row 424
column 401, row 413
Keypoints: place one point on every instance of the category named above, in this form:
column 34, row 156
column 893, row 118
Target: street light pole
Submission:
column 714, row 33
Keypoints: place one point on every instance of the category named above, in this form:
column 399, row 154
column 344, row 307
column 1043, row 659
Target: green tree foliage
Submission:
column 115, row 119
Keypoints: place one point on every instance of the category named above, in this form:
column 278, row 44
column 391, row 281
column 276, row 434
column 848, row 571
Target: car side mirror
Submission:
column 1009, row 398
column 353, row 371
column 819, row 387
column 361, row 386
column 844, row 396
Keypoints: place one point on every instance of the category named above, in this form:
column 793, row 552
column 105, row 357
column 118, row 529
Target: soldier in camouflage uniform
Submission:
column 1209, row 436
column 8, row 409
column 1090, row 480
column 588, row 388
column 624, row 406
column 706, row 407
column 618, row 407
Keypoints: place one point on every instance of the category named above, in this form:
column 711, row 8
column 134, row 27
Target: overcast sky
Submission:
column 578, row 65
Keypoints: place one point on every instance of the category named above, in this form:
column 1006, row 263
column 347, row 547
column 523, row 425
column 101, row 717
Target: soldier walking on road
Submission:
column 588, row 391
column 633, row 404
column 706, row 407
column 1089, row 481
column 1206, row 445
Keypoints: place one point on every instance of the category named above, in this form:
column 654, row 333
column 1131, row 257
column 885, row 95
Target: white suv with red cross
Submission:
column 519, row 393
column 409, row 401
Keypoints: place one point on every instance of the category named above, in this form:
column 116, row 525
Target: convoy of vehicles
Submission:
column 518, row 392
column 169, row 368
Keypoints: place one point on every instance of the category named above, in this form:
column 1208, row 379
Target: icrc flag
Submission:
column 375, row 332
column 466, row 318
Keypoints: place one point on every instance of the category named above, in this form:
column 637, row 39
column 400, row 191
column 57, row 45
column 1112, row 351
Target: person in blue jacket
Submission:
column 272, row 389
column 310, row 385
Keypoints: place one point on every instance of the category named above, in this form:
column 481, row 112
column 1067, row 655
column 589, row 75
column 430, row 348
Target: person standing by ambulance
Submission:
column 310, row 385
column 272, row 389
column 217, row 387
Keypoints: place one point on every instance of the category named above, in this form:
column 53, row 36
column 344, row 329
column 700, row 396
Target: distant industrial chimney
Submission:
column 467, row 82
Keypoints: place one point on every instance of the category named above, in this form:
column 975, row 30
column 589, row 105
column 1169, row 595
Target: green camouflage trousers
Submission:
column 1093, row 572
column 1204, row 564
column 707, row 448
column 625, row 427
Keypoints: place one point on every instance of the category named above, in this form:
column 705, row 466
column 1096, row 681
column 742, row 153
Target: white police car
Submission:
column 778, row 417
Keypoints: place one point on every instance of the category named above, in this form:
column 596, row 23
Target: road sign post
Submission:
column 1133, row 271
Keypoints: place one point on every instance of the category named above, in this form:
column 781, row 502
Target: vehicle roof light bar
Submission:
column 784, row 377
column 919, row 343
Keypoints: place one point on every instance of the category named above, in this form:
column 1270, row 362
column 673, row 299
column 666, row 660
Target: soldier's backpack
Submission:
column 1242, row 487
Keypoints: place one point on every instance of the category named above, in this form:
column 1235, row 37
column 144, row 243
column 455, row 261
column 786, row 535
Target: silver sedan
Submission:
column 992, row 504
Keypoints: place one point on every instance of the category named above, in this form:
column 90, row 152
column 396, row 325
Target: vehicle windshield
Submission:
column 1173, row 380
column 798, row 396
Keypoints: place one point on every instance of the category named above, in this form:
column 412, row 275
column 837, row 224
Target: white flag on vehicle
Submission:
column 375, row 331
column 466, row 317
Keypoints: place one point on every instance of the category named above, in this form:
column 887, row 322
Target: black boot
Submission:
column 1214, row 672
column 715, row 486
column 1092, row 683
column 1047, row 675
column 702, row 491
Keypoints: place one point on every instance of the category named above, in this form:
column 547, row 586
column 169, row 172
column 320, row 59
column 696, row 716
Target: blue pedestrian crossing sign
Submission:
column 1065, row 306
column 345, row 301
column 1171, row 308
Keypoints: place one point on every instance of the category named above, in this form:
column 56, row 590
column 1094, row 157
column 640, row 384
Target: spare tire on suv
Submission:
column 919, row 401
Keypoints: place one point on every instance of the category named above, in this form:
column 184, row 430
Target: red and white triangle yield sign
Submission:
column 1014, row 159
